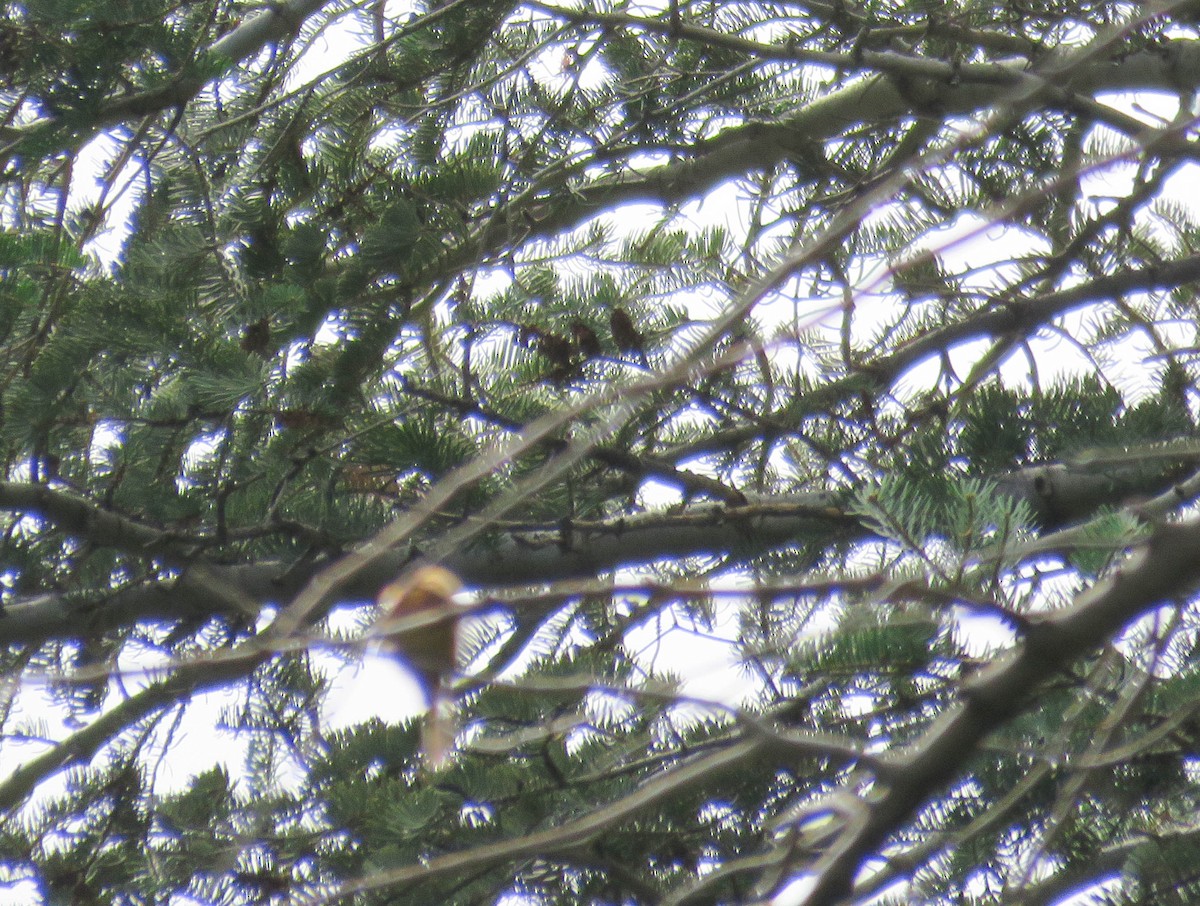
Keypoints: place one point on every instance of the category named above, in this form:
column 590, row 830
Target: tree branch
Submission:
column 1167, row 566
column 568, row 550
column 187, row 679
column 877, row 98
column 1018, row 317
column 279, row 21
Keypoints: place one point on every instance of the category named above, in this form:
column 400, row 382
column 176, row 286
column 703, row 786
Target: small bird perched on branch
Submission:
column 428, row 646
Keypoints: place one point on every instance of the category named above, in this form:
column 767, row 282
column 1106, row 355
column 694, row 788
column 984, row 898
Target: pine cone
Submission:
column 586, row 340
column 625, row 335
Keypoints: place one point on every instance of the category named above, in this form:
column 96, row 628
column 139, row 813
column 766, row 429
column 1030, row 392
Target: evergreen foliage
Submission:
column 856, row 341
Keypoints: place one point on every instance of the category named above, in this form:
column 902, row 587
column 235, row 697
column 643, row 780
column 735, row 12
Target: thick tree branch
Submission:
column 524, row 558
column 187, row 679
column 277, row 22
column 1166, row 567
column 1057, row 494
column 847, row 62
column 78, row 516
column 573, row 834
column 883, row 98
column 1017, row 317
